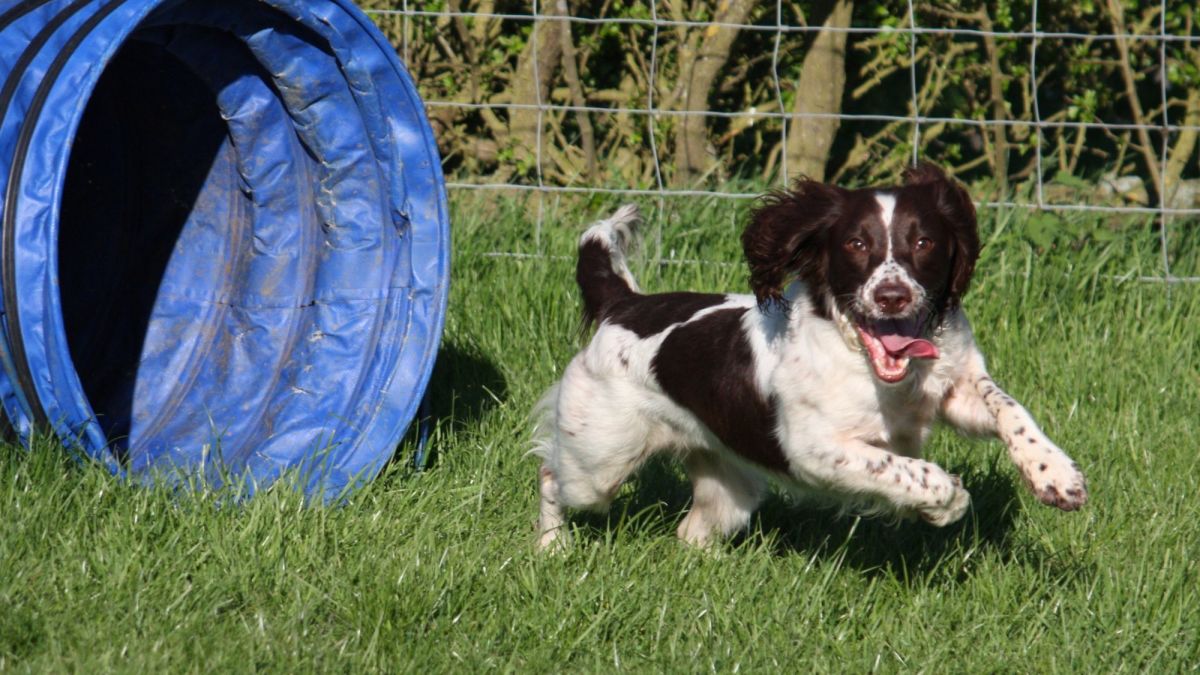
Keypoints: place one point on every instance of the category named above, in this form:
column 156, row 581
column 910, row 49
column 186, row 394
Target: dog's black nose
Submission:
column 892, row 298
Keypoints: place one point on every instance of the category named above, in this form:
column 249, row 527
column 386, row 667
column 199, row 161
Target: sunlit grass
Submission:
column 436, row 571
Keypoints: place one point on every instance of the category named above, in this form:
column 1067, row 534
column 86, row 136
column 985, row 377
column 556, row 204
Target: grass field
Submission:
column 436, row 570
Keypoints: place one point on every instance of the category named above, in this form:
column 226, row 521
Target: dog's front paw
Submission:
column 952, row 504
column 1056, row 480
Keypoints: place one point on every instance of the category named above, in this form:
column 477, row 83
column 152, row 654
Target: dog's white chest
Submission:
column 824, row 385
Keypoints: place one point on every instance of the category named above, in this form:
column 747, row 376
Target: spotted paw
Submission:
column 1052, row 476
column 1063, row 487
column 951, row 508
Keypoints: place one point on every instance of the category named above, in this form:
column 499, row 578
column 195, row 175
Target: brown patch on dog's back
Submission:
column 648, row 315
column 707, row 366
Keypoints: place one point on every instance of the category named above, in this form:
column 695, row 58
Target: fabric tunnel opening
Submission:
column 228, row 252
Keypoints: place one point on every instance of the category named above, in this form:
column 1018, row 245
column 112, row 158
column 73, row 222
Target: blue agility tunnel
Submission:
column 225, row 242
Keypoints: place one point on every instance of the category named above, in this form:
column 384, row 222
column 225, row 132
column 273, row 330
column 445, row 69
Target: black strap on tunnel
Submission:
column 18, row 11
column 9, row 230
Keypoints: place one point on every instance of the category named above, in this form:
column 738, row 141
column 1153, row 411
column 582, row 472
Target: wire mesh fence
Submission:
column 1089, row 108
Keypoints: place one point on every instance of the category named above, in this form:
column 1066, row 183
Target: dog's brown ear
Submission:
column 786, row 237
column 924, row 172
column 954, row 206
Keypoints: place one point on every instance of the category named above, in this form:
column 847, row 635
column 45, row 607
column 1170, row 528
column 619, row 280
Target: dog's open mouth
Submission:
column 891, row 345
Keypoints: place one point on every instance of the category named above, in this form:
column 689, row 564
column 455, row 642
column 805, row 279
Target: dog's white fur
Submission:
column 844, row 433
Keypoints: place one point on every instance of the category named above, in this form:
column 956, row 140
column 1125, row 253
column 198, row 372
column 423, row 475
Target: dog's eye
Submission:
column 924, row 244
column 856, row 244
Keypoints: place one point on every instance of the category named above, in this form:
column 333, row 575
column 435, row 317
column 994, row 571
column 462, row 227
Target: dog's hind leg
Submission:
column 585, row 459
column 724, row 496
column 579, row 479
column 550, row 514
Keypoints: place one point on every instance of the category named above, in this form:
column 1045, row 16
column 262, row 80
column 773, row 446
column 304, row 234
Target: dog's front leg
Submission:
column 881, row 481
column 977, row 405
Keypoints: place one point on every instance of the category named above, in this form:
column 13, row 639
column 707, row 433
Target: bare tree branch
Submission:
column 1116, row 14
column 570, row 70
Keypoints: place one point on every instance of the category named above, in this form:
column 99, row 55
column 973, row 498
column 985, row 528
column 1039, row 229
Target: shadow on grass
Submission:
column 464, row 388
column 911, row 552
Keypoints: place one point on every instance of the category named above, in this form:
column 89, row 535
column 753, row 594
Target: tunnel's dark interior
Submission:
column 143, row 150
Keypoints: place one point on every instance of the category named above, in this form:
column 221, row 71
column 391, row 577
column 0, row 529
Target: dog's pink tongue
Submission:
column 914, row 348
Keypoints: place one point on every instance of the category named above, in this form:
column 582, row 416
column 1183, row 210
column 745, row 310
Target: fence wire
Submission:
column 1166, row 212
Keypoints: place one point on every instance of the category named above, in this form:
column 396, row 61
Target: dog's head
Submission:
column 892, row 262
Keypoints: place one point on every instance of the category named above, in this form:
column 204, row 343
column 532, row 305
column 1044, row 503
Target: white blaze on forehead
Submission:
column 888, row 271
column 887, row 208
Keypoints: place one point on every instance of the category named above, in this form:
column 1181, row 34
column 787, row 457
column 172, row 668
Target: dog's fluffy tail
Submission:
column 602, row 273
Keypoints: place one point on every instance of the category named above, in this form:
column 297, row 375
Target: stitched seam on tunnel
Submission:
column 329, row 29
column 429, row 353
column 309, row 241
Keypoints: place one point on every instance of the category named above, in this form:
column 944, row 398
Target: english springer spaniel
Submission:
column 829, row 376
